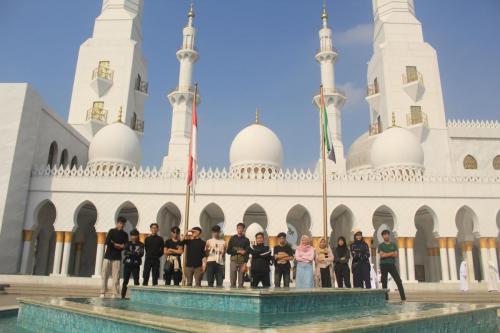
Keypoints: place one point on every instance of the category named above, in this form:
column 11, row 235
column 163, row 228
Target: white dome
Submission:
column 358, row 159
column 396, row 147
column 256, row 145
column 115, row 145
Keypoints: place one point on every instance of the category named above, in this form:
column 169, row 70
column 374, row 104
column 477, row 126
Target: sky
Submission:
column 257, row 53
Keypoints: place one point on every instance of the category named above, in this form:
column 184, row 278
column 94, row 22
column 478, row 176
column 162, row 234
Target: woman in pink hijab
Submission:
column 304, row 254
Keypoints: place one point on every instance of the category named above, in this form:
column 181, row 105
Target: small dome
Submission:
column 115, row 145
column 396, row 147
column 256, row 145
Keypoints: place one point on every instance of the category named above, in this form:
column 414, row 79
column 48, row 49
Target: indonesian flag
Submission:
column 191, row 176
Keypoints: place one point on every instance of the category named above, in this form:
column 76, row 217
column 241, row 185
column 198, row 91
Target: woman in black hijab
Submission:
column 342, row 272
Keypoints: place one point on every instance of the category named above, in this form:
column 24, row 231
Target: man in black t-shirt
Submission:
column 261, row 259
column 173, row 252
column 195, row 248
column 115, row 243
column 283, row 254
column 153, row 245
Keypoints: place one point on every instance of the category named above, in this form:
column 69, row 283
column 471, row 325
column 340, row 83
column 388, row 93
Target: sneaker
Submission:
column 102, row 296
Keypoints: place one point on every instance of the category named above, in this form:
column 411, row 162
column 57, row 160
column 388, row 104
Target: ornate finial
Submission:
column 393, row 119
column 257, row 116
column 324, row 16
column 119, row 120
column 191, row 10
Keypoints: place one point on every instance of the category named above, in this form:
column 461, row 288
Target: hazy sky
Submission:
column 257, row 53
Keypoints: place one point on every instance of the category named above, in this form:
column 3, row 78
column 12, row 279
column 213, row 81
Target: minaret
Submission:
column 334, row 98
column 181, row 99
column 111, row 71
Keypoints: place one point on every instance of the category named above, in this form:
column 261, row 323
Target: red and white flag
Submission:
column 191, row 176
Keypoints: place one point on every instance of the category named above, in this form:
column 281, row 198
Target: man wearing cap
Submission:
column 283, row 254
column 195, row 248
column 388, row 253
column 360, row 261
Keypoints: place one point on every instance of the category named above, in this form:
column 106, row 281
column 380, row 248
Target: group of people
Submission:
column 314, row 267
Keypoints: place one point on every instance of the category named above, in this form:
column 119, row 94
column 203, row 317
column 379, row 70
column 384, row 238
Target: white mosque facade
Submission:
column 434, row 182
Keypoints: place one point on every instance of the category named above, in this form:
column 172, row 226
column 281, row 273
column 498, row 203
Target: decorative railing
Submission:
column 457, row 123
column 372, row 89
column 281, row 175
column 97, row 114
column 413, row 77
column 326, row 49
column 141, row 86
column 138, row 125
column 332, row 91
column 103, row 73
column 187, row 48
column 416, row 118
column 183, row 89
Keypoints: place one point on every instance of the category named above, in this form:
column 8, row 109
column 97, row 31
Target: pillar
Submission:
column 142, row 239
column 485, row 252
column 27, row 237
column 467, row 249
column 410, row 257
column 68, row 237
column 493, row 251
column 272, row 241
column 101, row 238
column 227, row 261
column 373, row 253
column 402, row 257
column 56, row 269
column 443, row 255
column 78, row 258
column 450, row 244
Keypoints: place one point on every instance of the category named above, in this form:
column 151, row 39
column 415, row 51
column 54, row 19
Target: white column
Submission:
column 68, row 236
column 410, row 258
column 467, row 249
column 142, row 238
column 402, row 258
column 101, row 238
column 227, row 262
column 493, row 251
column 27, row 237
column 443, row 255
column 56, row 268
column 451, row 242
column 485, row 253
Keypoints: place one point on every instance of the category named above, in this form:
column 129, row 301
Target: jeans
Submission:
column 236, row 271
column 110, row 267
column 343, row 275
column 260, row 277
column 361, row 274
column 127, row 271
column 215, row 272
column 281, row 272
column 304, row 275
column 193, row 272
column 391, row 269
column 175, row 275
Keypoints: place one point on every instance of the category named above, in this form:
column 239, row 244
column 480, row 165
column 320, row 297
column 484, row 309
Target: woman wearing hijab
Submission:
column 304, row 255
column 360, row 261
column 341, row 257
column 323, row 276
column 464, row 284
column 492, row 276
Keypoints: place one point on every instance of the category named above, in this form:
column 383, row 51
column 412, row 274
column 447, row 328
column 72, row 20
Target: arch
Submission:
column 53, row 153
column 470, row 163
column 64, row 158
column 84, row 246
column 383, row 218
column 168, row 216
column 496, row 162
column 133, row 121
column 74, row 162
column 210, row 216
column 298, row 221
column 341, row 222
column 255, row 214
column 426, row 270
column 129, row 211
column 468, row 233
column 44, row 239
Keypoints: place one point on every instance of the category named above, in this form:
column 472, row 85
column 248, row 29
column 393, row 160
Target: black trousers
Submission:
column 173, row 275
column 127, row 271
column 260, row 277
column 391, row 269
column 326, row 278
column 343, row 275
column 215, row 272
column 281, row 272
column 151, row 264
column 361, row 275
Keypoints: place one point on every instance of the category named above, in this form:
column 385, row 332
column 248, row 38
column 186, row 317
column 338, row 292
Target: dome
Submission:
column 396, row 147
column 115, row 145
column 358, row 158
column 256, row 146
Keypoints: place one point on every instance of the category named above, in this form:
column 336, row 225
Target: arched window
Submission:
column 74, row 162
column 133, row 121
column 496, row 162
column 64, row 158
column 52, row 158
column 470, row 163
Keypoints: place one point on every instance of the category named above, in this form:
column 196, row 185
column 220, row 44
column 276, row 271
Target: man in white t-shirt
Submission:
column 215, row 249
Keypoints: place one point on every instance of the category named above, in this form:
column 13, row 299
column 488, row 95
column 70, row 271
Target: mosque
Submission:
column 433, row 181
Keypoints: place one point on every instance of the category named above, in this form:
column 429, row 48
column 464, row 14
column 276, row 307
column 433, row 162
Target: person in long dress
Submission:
column 304, row 255
column 492, row 276
column 323, row 276
column 464, row 283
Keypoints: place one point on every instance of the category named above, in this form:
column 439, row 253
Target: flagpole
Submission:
column 323, row 163
column 189, row 180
